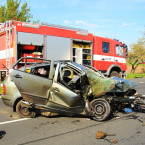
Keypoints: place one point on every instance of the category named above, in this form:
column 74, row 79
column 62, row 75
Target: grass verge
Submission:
column 133, row 75
column 1, row 89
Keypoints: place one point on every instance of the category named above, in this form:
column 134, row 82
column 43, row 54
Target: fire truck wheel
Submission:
column 115, row 74
column 101, row 109
column 25, row 112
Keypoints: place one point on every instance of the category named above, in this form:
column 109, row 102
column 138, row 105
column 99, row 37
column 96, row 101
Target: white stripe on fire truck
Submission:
column 109, row 58
column 5, row 53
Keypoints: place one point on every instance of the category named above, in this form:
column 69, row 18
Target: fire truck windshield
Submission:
column 120, row 50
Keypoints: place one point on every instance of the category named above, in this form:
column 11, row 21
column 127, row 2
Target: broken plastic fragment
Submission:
column 100, row 135
column 114, row 141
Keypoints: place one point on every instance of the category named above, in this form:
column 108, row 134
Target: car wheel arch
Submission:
column 16, row 102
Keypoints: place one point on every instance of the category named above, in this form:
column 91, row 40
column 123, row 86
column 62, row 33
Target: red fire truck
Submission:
column 21, row 39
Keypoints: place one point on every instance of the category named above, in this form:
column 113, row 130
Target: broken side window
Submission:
column 70, row 78
column 42, row 71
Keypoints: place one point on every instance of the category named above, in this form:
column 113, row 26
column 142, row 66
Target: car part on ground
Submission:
column 65, row 87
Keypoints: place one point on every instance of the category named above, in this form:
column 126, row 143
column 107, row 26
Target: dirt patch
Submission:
column 138, row 70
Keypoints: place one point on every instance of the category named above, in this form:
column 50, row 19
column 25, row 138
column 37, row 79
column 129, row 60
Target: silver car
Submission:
column 64, row 87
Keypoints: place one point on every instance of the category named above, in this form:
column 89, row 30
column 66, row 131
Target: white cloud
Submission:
column 128, row 24
column 81, row 22
column 67, row 22
column 88, row 25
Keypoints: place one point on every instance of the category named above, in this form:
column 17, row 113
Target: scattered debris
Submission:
column 138, row 132
column 114, row 141
column 2, row 133
column 128, row 110
column 35, row 128
column 75, row 121
column 142, row 122
column 102, row 135
column 140, row 105
column 54, row 122
column 117, row 117
column 132, row 117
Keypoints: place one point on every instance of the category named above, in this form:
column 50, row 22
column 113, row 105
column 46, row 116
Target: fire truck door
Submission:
column 107, row 55
column 120, row 56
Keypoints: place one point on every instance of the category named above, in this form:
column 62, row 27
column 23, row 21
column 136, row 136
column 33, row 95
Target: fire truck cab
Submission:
column 56, row 42
column 109, row 56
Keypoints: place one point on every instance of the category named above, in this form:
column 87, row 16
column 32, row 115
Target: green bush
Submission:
column 133, row 75
column 1, row 89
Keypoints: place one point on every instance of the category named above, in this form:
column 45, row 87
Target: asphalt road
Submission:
column 63, row 130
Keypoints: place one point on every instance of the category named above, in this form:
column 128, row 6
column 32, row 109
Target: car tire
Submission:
column 25, row 112
column 115, row 74
column 100, row 109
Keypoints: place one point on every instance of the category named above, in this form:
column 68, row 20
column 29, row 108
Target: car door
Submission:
column 34, row 88
column 64, row 96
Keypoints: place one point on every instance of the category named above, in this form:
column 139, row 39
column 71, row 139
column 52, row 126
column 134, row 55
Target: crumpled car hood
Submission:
column 100, row 85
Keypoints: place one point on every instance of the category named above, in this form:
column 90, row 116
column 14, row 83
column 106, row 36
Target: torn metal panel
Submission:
column 99, row 85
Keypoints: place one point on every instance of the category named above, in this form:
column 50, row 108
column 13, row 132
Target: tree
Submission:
column 13, row 9
column 136, row 55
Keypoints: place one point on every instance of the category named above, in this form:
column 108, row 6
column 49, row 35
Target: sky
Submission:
column 118, row 19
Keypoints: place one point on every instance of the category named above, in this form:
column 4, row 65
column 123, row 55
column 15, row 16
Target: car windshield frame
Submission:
column 87, row 67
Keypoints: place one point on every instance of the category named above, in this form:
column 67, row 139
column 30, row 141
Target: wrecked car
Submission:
column 65, row 87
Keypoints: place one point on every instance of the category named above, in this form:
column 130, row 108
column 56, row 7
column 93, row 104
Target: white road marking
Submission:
column 12, row 121
column 0, row 97
column 141, row 82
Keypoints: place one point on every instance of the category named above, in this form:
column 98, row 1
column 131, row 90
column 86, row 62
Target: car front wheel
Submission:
column 25, row 112
column 101, row 109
